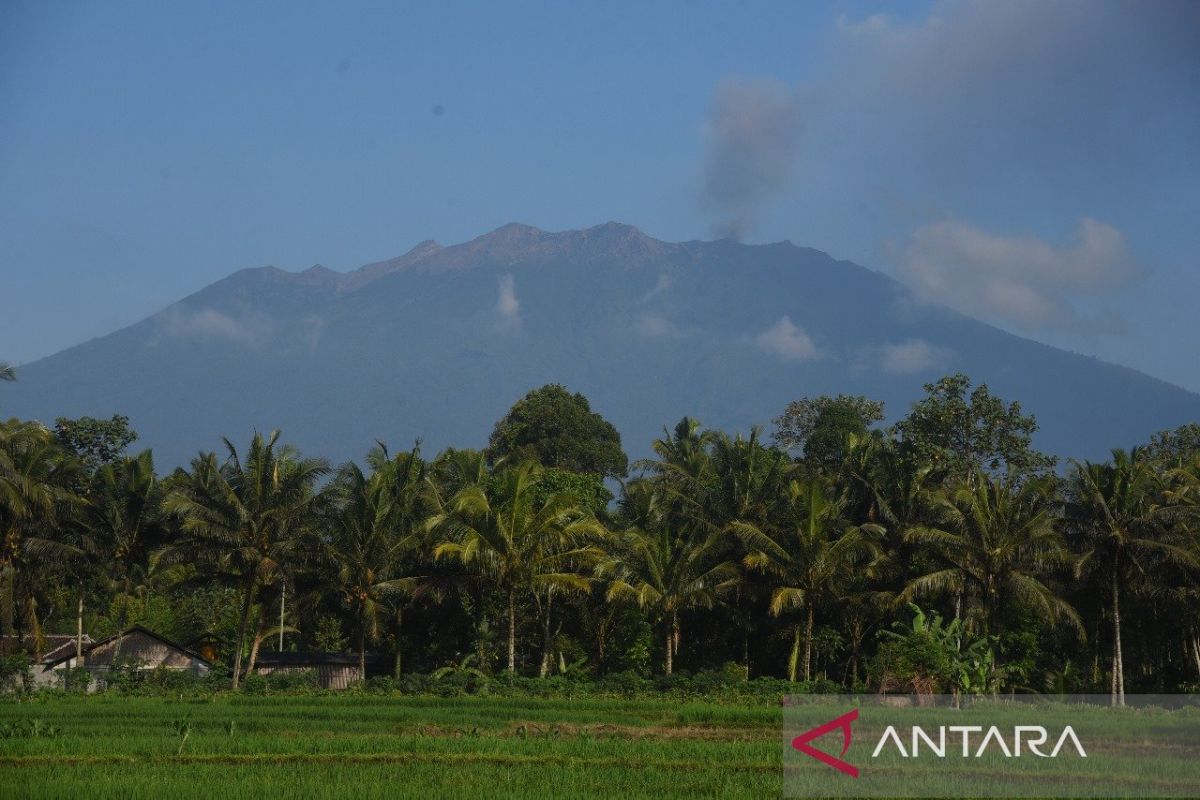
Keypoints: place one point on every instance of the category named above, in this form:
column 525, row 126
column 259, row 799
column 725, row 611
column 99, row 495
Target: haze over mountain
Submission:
column 438, row 343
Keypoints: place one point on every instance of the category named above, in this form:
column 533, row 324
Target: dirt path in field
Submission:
column 602, row 730
column 386, row 758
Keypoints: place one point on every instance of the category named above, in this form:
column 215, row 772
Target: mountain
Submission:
column 438, row 343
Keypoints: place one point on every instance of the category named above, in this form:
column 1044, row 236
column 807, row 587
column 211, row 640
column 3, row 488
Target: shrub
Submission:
column 218, row 677
column 74, row 679
column 626, row 683
column 292, row 681
column 125, row 674
column 16, row 674
column 254, row 684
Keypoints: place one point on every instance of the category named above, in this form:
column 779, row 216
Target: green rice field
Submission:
column 228, row 746
column 365, row 746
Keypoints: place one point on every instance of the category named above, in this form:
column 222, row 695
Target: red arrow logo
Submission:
column 843, row 722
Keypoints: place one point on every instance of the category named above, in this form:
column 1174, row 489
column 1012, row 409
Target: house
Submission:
column 54, row 645
column 58, row 653
column 139, row 647
column 333, row 670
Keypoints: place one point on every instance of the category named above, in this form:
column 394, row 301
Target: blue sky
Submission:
column 1034, row 164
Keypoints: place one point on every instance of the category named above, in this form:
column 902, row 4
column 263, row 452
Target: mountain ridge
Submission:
column 439, row 341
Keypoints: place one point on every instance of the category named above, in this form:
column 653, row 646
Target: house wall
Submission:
column 329, row 676
column 49, row 676
column 149, row 652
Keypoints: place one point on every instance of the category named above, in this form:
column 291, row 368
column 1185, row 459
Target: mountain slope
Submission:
column 439, row 342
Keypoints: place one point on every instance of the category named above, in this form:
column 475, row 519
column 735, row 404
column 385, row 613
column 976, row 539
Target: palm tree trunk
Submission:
column 746, row 650
column 676, row 636
column 79, row 631
column 8, row 612
column 259, row 635
column 544, row 670
column 808, row 633
column 668, row 666
column 399, row 628
column 794, row 657
column 1113, row 698
column 601, row 641
column 512, row 630
column 1196, row 650
column 1118, row 698
column 362, row 650
column 121, row 622
column 282, row 603
column 243, row 623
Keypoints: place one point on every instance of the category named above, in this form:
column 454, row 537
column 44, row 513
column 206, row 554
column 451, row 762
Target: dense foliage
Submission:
column 558, row 429
column 942, row 554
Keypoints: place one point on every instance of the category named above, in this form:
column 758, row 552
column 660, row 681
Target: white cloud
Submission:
column 664, row 282
column 654, row 326
column 874, row 25
column 507, row 305
column 787, row 341
column 913, row 355
column 208, row 323
column 311, row 332
column 1021, row 281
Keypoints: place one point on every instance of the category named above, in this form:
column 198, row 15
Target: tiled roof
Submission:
column 55, row 646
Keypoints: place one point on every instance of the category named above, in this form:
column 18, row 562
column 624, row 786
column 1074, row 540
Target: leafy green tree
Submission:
column 245, row 519
column 1122, row 531
column 812, row 554
column 95, row 442
column 588, row 488
column 558, row 429
column 963, row 433
column 818, row 426
column 1176, row 447
column 502, row 532
column 993, row 542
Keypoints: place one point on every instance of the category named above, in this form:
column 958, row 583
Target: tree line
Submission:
column 942, row 553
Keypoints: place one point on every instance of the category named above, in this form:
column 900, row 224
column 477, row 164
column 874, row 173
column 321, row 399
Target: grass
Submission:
column 229, row 746
column 369, row 746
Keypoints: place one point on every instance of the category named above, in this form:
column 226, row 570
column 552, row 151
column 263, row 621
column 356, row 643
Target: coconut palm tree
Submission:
column 503, row 532
column 36, row 498
column 245, row 518
column 811, row 552
column 376, row 540
column 665, row 568
column 991, row 542
column 121, row 523
column 749, row 479
column 1122, row 528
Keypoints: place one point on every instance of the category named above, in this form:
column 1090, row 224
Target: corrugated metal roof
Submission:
column 313, row 659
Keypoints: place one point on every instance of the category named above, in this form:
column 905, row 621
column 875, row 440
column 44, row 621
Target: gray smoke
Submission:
column 754, row 132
